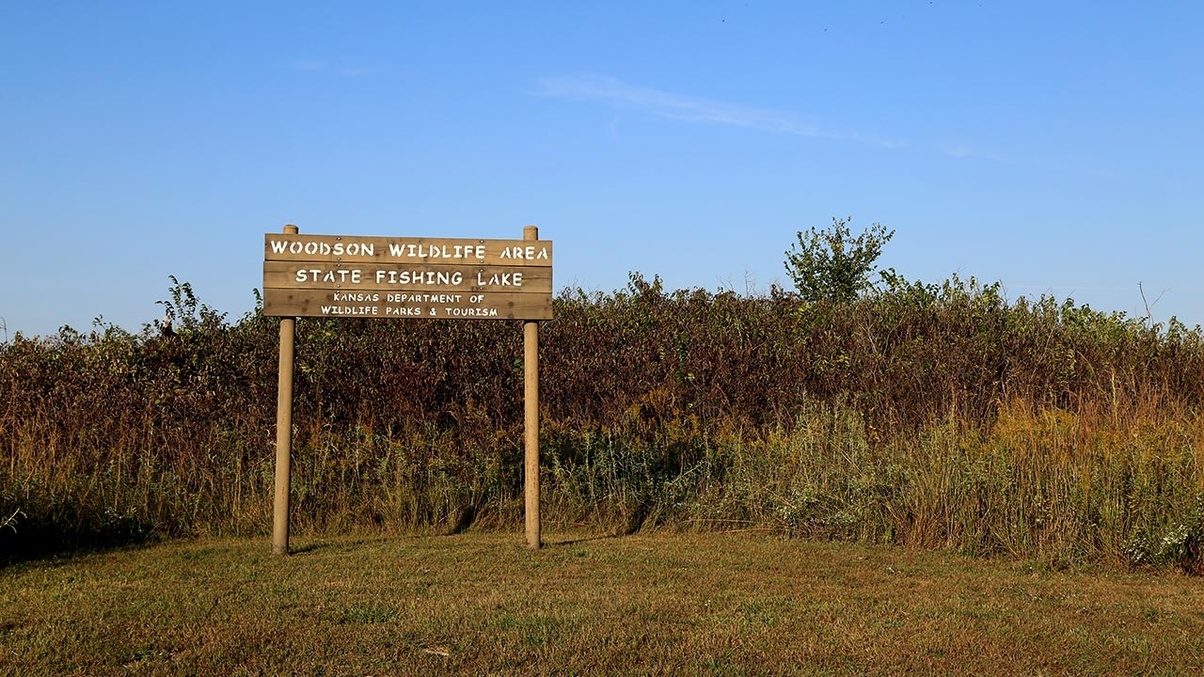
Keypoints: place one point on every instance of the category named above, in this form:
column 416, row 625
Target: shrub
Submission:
column 935, row 415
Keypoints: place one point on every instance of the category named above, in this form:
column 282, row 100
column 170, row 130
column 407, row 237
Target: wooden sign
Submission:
column 389, row 277
column 349, row 276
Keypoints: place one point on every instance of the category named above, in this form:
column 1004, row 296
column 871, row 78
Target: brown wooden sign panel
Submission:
column 350, row 248
column 405, row 276
column 392, row 277
column 407, row 304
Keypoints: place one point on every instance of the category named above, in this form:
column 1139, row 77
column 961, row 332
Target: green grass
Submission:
column 654, row 603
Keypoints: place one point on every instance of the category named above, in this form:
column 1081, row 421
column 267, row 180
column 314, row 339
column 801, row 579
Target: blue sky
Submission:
column 1056, row 147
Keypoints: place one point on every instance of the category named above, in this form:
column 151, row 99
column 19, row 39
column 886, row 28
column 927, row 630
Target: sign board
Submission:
column 391, row 277
column 352, row 276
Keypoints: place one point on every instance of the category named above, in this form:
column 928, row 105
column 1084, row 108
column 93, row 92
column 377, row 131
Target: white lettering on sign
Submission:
column 528, row 252
column 422, row 251
column 450, row 251
column 500, row 280
column 422, row 298
column 354, row 297
column 323, row 248
column 350, row 310
column 471, row 312
column 426, row 277
column 340, row 275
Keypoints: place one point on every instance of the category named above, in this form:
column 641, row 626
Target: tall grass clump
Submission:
column 927, row 415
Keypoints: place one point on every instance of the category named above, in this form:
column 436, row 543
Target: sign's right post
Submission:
column 531, row 418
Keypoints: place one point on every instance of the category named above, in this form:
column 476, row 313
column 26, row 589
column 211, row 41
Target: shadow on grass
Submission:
column 63, row 533
column 584, row 539
column 306, row 549
column 22, row 548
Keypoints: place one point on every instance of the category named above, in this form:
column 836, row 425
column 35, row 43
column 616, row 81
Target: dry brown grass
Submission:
column 938, row 416
column 649, row 604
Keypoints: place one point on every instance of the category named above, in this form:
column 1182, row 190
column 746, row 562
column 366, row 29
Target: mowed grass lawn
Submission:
column 658, row 603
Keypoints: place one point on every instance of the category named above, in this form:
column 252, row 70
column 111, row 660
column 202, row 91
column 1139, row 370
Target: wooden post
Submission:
column 284, row 430
column 531, row 418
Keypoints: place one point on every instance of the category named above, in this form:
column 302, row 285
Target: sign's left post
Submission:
column 284, row 430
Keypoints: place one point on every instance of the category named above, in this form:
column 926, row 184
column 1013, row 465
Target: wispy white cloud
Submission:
column 690, row 109
column 308, row 65
column 964, row 151
column 673, row 106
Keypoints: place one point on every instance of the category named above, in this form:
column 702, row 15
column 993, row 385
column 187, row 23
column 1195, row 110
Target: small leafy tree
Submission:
column 832, row 265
